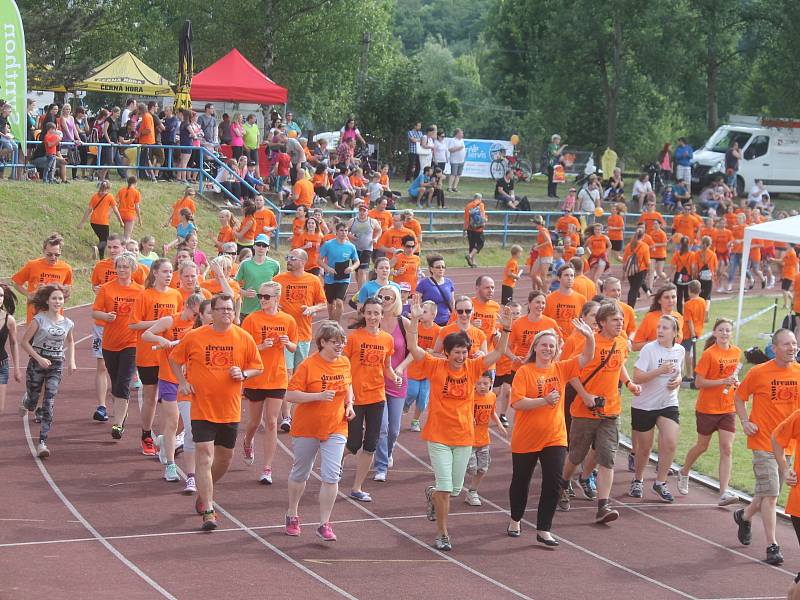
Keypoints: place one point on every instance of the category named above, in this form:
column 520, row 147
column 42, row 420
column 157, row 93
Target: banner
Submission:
column 14, row 76
column 480, row 154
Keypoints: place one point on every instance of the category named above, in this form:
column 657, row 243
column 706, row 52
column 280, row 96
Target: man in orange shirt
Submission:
column 474, row 222
column 391, row 241
column 43, row 271
column 565, row 220
column 380, row 214
column 147, row 136
column 302, row 194
column 264, row 217
column 686, row 223
column 775, row 388
column 649, row 215
column 218, row 359
column 582, row 284
column 485, row 311
column 612, row 289
column 564, row 304
column 789, row 263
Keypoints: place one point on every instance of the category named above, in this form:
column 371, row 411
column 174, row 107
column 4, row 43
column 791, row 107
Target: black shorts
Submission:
column 501, row 379
column 786, row 284
column 616, row 245
column 120, row 366
column 261, row 395
column 506, row 294
column 222, row 434
column 364, row 429
column 314, row 271
column 475, row 240
column 148, row 375
column 645, row 420
column 364, row 257
column 335, row 291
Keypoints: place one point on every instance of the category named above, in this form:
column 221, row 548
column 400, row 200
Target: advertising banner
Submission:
column 14, row 77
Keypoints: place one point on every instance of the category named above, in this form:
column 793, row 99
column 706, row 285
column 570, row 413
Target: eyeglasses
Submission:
column 264, row 296
column 225, row 309
column 438, row 267
column 335, row 342
column 52, row 254
column 291, row 257
column 261, row 245
column 385, row 298
column 464, row 311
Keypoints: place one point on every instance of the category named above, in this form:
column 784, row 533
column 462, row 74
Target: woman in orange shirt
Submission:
column 227, row 223
column 539, row 433
column 683, row 263
column 369, row 350
column 637, row 267
column 245, row 233
column 616, row 228
column 544, row 254
column 658, row 252
column 664, row 301
column 463, row 311
column 311, row 241
column 186, row 202
column 705, row 266
column 129, row 201
column 598, row 246
column 100, row 207
column 450, row 427
column 321, row 388
column 299, row 226
column 716, row 376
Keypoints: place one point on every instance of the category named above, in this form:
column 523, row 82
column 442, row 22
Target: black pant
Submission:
column 705, row 289
column 796, row 523
column 237, row 151
column 412, row 170
column 506, row 294
column 234, row 187
column 523, row 204
column 365, row 428
column 683, row 292
column 635, row 282
column 551, row 185
column 101, row 231
column 439, row 195
column 523, row 464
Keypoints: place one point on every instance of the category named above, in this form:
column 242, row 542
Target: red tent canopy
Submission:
column 233, row 78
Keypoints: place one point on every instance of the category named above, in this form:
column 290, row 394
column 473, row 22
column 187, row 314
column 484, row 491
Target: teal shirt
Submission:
column 251, row 275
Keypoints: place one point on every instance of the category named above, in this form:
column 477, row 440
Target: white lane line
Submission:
column 96, row 534
column 750, row 598
column 83, row 339
column 568, row 542
column 418, row 541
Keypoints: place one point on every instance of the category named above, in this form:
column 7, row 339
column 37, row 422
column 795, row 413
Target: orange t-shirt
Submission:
column 147, row 130
column 298, row 228
column 368, row 353
column 225, row 235
column 38, row 272
column 544, row 243
column 543, row 426
column 584, row 286
column 629, row 315
column 104, row 271
column 789, row 266
column 451, row 418
column 321, row 180
column 598, row 244
column 184, row 202
column 616, row 227
column 426, row 339
column 393, row 238
column 315, row 239
column 564, row 221
column 483, row 411
column 716, row 363
column 265, row 218
column 605, row 381
column 113, row 297
column 151, row 305
column 476, row 336
column 776, row 395
column 407, row 266
column 176, row 331
column 642, row 255
column 511, row 268
column 755, row 251
column 721, row 238
column 215, row 287
column 738, row 238
column 573, row 345
column 304, row 190
column 787, row 434
column 298, row 293
column 209, row 356
column 705, row 258
column 647, row 328
column 487, row 313
column 247, row 229
column 416, row 228
column 185, row 293
column 384, row 217
column 523, row 330
column 685, row 225
column 101, row 208
column 569, row 252
column 659, row 252
column 128, row 199
column 694, row 310
column 476, row 203
column 648, row 218
column 562, row 308
column 321, row 419
column 262, row 326
column 683, row 262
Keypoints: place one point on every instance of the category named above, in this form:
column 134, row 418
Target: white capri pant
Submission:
column 330, row 451
column 185, row 409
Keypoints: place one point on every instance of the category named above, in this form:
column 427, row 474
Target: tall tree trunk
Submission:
column 363, row 68
column 712, row 87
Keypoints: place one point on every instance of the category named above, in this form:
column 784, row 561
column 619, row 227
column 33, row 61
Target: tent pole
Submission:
column 748, row 239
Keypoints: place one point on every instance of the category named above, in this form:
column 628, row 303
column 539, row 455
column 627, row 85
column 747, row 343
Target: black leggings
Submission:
column 523, row 463
column 120, row 366
column 101, row 231
column 364, row 429
column 412, row 169
column 683, row 292
column 705, row 289
column 796, row 523
column 635, row 282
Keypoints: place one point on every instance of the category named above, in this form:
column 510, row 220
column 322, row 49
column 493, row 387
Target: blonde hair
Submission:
column 532, row 353
column 395, row 308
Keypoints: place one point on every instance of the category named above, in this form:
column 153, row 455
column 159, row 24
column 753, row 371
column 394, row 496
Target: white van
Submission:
column 770, row 152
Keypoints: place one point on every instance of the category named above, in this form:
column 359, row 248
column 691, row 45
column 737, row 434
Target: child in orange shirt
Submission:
column 511, row 274
column 694, row 315
column 128, row 201
column 419, row 388
column 52, row 138
column 479, row 460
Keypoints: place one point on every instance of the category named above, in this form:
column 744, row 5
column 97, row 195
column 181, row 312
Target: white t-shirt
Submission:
column 457, row 150
column 755, row 195
column 655, row 394
column 439, row 152
column 588, row 199
column 641, row 188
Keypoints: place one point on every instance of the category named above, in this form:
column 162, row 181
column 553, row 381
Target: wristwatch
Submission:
column 244, row 376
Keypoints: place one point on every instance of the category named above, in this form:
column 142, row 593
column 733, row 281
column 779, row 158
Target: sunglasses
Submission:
column 261, row 245
column 386, row 298
column 290, row 257
column 230, row 254
column 464, row 311
column 265, row 296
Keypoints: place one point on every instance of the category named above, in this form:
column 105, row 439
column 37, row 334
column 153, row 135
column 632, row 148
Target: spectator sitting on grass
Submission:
column 504, row 193
column 422, row 188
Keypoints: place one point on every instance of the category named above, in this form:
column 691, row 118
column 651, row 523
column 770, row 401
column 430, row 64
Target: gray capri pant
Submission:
column 185, row 409
column 330, row 452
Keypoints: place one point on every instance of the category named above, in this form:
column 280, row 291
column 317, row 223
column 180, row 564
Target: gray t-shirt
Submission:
column 208, row 123
column 363, row 232
column 295, row 151
column 50, row 336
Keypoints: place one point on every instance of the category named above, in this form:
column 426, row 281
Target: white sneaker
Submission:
column 727, row 499
column 162, row 451
column 379, row 477
column 683, row 484
column 415, row 426
column 42, row 451
column 391, row 462
column 179, row 439
column 471, row 498
column 190, row 487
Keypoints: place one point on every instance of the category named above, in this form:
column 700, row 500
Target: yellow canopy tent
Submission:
column 125, row 74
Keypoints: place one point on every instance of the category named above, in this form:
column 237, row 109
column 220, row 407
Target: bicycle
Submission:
column 521, row 168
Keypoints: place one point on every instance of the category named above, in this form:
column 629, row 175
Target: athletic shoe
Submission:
column 606, row 514
column 593, row 480
column 190, row 487
column 571, row 489
column 179, row 439
column 361, row 496
column 325, row 531
column 136, row 384
column 415, row 426
column 443, row 543
column 379, row 476
column 292, row 526
column 148, row 448
column 727, row 499
column 171, row 472
column 286, row 424
column 671, row 472
column 209, row 520
column 774, row 556
column 504, row 420
column 744, row 532
column 663, row 492
column 248, row 454
column 637, row 489
column 266, row 476
column 116, row 431
column 100, row 414
column 683, row 484
column 41, row 450
column 430, row 509
column 162, row 450
column 631, row 462
column 390, row 462
column 563, row 500
column 586, row 488
column 469, row 261
column 472, row 499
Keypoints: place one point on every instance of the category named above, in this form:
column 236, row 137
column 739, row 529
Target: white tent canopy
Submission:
column 783, row 230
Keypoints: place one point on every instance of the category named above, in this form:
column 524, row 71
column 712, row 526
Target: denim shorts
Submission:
column 4, row 372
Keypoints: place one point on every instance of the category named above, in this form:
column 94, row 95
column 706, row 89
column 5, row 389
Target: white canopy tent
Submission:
column 783, row 230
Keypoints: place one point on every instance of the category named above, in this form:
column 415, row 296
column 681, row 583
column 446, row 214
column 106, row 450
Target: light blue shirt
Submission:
column 336, row 252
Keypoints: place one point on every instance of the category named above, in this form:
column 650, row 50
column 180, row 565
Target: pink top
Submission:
column 400, row 353
column 237, row 134
column 665, row 163
column 200, row 259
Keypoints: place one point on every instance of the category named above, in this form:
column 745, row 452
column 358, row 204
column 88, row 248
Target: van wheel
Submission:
column 739, row 187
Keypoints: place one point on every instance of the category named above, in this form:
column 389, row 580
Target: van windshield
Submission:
column 723, row 138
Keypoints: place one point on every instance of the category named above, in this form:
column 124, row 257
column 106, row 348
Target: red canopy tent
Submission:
column 233, row 78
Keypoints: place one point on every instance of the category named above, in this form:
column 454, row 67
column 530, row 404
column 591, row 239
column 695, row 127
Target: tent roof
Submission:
column 125, row 74
column 233, row 78
column 782, row 230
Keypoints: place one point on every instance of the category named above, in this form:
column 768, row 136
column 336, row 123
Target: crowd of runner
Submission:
column 200, row 336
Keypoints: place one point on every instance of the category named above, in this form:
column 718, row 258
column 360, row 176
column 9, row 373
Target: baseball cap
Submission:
column 579, row 251
column 261, row 238
column 404, row 287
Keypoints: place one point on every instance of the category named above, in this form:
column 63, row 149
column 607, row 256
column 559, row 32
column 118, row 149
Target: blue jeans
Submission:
column 419, row 391
column 734, row 264
column 390, row 429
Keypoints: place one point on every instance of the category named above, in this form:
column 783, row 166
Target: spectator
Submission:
column 681, row 193
column 82, row 125
column 414, row 136
column 236, row 135
column 291, row 125
column 504, row 193
column 345, row 153
column 589, row 197
column 224, row 129
column 130, row 108
column 169, row 137
column 147, row 138
column 641, row 187
column 322, row 156
column 298, row 156
column 440, row 151
column 732, row 158
column 426, row 147
column 757, row 194
column 684, row 154
column 554, row 150
column 350, row 132
column 208, row 125
column 457, row 154
column 422, row 188
column 251, row 137
column 665, row 162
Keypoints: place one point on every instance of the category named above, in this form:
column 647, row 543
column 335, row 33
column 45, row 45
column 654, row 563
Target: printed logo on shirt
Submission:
column 483, row 413
column 271, row 332
column 123, row 305
column 371, row 355
column 614, row 363
column 161, row 309
column 336, row 382
column 455, row 387
column 46, row 278
column 565, row 312
column 726, row 367
column 219, row 357
column 296, row 293
column 783, row 392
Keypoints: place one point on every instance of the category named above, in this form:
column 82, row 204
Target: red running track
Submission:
column 98, row 517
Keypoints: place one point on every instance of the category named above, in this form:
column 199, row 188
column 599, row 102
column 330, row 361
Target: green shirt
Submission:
column 250, row 277
column 251, row 135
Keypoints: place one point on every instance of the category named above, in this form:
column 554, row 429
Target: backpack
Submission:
column 631, row 266
column 476, row 218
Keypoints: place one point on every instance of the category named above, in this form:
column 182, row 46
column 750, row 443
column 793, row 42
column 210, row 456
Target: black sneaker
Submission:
column 100, row 414
column 663, row 492
column 117, row 431
column 744, row 533
column 571, row 489
column 563, row 500
column 774, row 556
column 504, row 420
column 606, row 514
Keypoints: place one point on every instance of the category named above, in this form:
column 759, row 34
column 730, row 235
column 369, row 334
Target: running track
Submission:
column 97, row 517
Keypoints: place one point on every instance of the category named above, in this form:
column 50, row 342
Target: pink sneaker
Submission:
column 249, row 454
column 293, row 526
column 325, row 531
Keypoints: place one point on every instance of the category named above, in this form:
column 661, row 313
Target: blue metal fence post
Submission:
column 505, row 229
column 201, row 169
